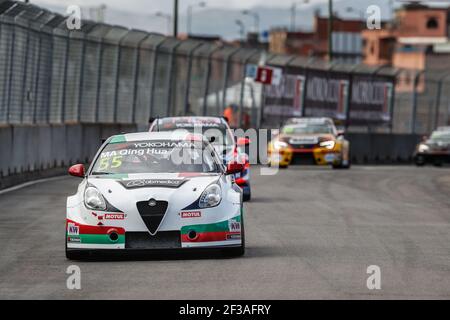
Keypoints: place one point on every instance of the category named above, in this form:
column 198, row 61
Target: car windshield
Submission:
column 156, row 156
column 215, row 131
column 307, row 128
column 443, row 136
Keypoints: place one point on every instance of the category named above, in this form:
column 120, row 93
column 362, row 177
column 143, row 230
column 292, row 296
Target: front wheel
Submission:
column 342, row 166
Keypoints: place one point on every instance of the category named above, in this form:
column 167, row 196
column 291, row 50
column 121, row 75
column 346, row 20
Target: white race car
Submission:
column 155, row 191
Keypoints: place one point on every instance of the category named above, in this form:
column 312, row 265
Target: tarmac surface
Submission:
column 311, row 234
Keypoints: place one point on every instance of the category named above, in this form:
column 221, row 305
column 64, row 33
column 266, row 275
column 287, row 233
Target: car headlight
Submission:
column 280, row 144
column 423, row 148
column 93, row 199
column 328, row 144
column 211, row 197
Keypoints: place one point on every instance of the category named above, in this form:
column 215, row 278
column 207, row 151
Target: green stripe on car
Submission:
column 213, row 227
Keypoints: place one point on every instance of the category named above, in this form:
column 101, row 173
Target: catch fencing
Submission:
column 113, row 75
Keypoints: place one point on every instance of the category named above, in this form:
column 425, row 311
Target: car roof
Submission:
column 145, row 136
column 193, row 119
column 305, row 120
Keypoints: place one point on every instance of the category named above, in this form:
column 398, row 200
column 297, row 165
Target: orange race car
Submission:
column 309, row 141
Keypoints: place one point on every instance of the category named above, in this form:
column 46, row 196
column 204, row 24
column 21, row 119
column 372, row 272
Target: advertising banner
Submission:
column 371, row 99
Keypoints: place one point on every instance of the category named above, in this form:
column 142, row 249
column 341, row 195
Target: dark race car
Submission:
column 435, row 149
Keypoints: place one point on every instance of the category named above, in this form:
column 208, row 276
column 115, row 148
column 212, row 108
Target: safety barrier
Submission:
column 30, row 152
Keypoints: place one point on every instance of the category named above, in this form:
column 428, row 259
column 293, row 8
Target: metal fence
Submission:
column 110, row 74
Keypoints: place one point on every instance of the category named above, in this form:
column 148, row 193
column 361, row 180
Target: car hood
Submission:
column 179, row 189
column 436, row 144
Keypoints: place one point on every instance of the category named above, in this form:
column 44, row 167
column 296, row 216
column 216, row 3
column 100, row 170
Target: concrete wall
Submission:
column 382, row 148
column 30, row 152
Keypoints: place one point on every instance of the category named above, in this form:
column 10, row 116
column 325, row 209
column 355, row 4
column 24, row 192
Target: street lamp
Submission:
column 166, row 16
column 255, row 15
column 175, row 18
column 330, row 30
column 294, row 11
column 201, row 4
column 241, row 28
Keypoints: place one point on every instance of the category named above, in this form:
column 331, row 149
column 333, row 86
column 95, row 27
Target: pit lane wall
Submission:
column 382, row 148
column 33, row 152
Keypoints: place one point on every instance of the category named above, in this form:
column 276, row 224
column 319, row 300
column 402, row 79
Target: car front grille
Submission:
column 306, row 158
column 303, row 146
column 152, row 215
column 161, row 240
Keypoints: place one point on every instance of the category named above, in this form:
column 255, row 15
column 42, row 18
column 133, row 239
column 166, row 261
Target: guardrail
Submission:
column 30, row 152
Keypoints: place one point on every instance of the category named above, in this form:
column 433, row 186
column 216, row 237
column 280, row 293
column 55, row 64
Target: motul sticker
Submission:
column 114, row 216
column 73, row 230
column 234, row 225
column 191, row 214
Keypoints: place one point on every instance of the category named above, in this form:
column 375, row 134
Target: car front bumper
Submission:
column 94, row 237
column 316, row 156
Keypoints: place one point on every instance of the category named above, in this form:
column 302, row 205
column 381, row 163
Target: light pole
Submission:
column 241, row 29
column 201, row 4
column 167, row 17
column 330, row 30
column 294, row 12
column 255, row 15
column 175, row 18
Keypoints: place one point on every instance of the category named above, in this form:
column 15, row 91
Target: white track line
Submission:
column 30, row 183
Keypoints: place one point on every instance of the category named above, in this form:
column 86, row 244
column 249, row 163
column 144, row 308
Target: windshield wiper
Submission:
column 101, row 173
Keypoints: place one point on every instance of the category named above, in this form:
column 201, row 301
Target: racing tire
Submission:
column 342, row 166
column 73, row 255
column 247, row 196
column 419, row 161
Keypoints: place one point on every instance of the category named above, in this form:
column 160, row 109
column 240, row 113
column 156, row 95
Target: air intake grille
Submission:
column 152, row 215
column 162, row 240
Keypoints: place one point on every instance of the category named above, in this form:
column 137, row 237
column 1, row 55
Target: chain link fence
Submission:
column 113, row 75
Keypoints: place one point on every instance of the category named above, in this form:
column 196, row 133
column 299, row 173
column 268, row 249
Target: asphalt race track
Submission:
column 311, row 234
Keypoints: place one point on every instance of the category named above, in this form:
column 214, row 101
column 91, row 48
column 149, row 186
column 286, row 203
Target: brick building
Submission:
column 347, row 41
column 416, row 32
column 417, row 40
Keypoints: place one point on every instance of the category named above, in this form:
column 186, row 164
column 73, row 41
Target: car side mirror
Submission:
column 243, row 141
column 235, row 167
column 77, row 171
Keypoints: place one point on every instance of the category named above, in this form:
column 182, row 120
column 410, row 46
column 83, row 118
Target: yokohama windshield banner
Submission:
column 371, row 98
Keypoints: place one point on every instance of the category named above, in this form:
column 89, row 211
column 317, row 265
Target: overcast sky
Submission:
column 166, row 5
column 135, row 13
